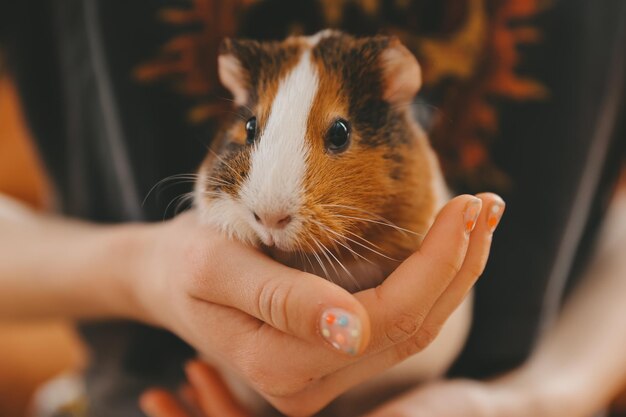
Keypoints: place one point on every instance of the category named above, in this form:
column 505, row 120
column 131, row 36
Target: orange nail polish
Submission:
column 495, row 214
column 472, row 210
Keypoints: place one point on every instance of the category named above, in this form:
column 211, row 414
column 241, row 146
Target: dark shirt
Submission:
column 114, row 111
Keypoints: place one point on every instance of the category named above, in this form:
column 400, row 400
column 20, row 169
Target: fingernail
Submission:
column 472, row 210
column 495, row 214
column 341, row 329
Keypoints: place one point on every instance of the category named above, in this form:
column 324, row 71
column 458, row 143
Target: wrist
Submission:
column 128, row 248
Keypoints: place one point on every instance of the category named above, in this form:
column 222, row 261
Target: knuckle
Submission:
column 403, row 326
column 449, row 267
column 272, row 304
column 417, row 343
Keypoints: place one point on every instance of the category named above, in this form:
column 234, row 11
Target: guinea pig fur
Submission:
column 323, row 166
column 325, row 169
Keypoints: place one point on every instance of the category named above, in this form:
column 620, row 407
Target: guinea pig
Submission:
column 325, row 168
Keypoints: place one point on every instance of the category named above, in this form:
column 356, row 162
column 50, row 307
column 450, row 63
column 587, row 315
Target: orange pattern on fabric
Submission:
column 472, row 59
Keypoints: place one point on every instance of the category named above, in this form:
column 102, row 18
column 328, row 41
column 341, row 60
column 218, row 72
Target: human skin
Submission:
column 578, row 366
column 234, row 304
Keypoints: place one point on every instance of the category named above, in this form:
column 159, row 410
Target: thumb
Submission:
column 294, row 302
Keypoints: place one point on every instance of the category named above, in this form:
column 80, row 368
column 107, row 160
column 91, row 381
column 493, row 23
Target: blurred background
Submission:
column 30, row 353
column 500, row 79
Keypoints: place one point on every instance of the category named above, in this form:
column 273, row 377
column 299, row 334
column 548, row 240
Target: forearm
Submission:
column 56, row 267
column 583, row 356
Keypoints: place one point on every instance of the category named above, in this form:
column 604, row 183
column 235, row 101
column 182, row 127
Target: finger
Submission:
column 452, row 297
column 400, row 304
column 160, row 403
column 472, row 268
column 187, row 395
column 211, row 393
column 294, row 302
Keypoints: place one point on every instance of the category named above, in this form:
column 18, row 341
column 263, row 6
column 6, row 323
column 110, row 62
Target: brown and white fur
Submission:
column 348, row 216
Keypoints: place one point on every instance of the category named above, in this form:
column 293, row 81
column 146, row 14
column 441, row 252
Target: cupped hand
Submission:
column 517, row 394
column 459, row 398
column 267, row 322
column 523, row 392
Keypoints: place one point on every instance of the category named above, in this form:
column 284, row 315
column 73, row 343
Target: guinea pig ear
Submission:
column 402, row 76
column 232, row 73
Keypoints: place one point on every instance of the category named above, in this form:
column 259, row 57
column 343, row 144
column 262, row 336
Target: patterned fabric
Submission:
column 469, row 52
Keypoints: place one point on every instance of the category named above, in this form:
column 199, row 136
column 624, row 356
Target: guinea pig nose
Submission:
column 273, row 220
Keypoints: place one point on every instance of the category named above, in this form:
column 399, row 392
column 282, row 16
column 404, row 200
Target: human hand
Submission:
column 205, row 395
column 518, row 394
column 262, row 319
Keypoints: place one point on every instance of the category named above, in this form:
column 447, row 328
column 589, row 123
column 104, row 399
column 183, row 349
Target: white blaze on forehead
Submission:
column 278, row 160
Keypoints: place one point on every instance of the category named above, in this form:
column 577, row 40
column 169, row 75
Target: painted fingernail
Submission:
column 472, row 210
column 341, row 329
column 495, row 214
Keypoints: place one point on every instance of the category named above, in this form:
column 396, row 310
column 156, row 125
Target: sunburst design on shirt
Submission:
column 468, row 66
column 188, row 61
column 481, row 58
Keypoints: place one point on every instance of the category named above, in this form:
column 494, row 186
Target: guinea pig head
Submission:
column 323, row 156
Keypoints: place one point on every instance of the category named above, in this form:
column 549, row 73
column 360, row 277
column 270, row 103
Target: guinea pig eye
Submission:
column 251, row 130
column 338, row 136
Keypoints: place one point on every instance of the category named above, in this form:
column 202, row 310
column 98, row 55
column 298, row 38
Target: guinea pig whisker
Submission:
column 301, row 255
column 370, row 249
column 362, row 245
column 181, row 178
column 354, row 280
column 319, row 260
column 308, row 258
column 326, row 229
column 374, row 216
column 369, row 242
column 182, row 199
column 323, row 249
column 391, row 225
column 369, row 213
column 226, row 164
column 343, row 206
column 355, row 254
column 340, row 263
column 334, row 241
column 217, row 181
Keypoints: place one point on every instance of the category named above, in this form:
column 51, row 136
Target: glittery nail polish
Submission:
column 472, row 210
column 495, row 214
column 341, row 329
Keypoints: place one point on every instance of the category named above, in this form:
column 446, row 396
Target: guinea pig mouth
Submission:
column 268, row 240
column 273, row 240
